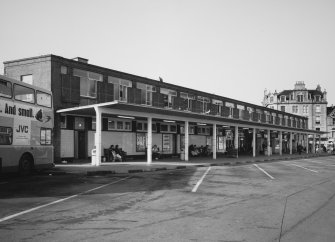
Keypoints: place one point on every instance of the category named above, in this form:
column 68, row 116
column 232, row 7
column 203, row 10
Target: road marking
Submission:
column 304, row 168
column 195, row 188
column 58, row 201
column 264, row 172
column 319, row 162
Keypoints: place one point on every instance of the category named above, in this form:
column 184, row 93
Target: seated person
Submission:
column 155, row 152
column 118, row 153
column 111, row 153
column 195, row 151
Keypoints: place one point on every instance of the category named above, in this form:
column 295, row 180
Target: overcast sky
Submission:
column 233, row 48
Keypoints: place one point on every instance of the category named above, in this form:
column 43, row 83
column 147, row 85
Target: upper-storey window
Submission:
column 317, row 120
column 271, row 99
column 189, row 99
column 24, row 94
column 282, row 98
column 300, row 98
column 294, row 109
column 204, row 103
column 146, row 93
column 120, row 88
column 27, row 79
column 218, row 106
column 267, row 116
column 282, row 108
column 240, row 109
column 250, row 110
column 63, row 70
column 231, row 106
column 168, row 97
column 5, row 89
column 305, row 109
column 317, row 98
column 88, row 82
column 258, row 114
column 318, row 109
column 280, row 116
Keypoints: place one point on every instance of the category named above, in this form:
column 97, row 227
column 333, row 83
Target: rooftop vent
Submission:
column 80, row 59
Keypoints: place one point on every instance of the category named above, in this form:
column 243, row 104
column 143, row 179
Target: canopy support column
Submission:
column 291, row 138
column 254, row 142
column 149, row 148
column 236, row 140
column 280, row 142
column 214, row 142
column 186, row 140
column 97, row 140
column 269, row 143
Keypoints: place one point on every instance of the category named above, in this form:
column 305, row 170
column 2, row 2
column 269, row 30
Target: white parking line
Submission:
column 304, row 168
column 319, row 162
column 58, row 201
column 195, row 188
column 264, row 172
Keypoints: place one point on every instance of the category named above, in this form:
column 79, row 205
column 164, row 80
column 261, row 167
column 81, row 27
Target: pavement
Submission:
column 136, row 166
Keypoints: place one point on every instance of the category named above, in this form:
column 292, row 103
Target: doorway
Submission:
column 80, row 145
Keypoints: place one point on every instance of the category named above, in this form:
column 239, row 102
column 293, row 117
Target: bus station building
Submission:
column 96, row 107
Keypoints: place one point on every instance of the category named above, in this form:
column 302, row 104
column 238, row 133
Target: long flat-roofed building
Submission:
column 97, row 107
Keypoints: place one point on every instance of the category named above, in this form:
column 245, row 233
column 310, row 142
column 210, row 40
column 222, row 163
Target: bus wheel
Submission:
column 26, row 165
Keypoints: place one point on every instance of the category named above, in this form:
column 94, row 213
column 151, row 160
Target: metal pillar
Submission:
column 313, row 144
column 149, row 148
column 97, row 140
column 280, row 142
column 254, row 142
column 236, row 140
column 186, row 140
column 269, row 143
column 306, row 144
column 291, row 137
column 214, row 142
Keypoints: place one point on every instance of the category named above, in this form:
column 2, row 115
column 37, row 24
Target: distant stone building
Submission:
column 331, row 122
column 310, row 103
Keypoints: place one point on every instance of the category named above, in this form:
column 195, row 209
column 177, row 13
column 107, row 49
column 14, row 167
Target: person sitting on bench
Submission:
column 155, row 152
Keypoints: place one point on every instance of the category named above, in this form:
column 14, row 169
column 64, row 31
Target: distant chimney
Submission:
column 300, row 85
column 80, row 59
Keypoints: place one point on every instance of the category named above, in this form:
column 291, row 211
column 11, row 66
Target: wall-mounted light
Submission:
column 169, row 121
column 126, row 117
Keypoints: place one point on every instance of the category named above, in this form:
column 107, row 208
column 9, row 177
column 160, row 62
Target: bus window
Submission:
column 45, row 136
column 6, row 135
column 24, row 94
column 43, row 99
column 5, row 89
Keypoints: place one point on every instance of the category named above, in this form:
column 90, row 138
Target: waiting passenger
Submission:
column 155, row 152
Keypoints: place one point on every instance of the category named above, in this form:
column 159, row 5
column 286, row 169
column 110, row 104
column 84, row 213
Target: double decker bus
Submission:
column 26, row 124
